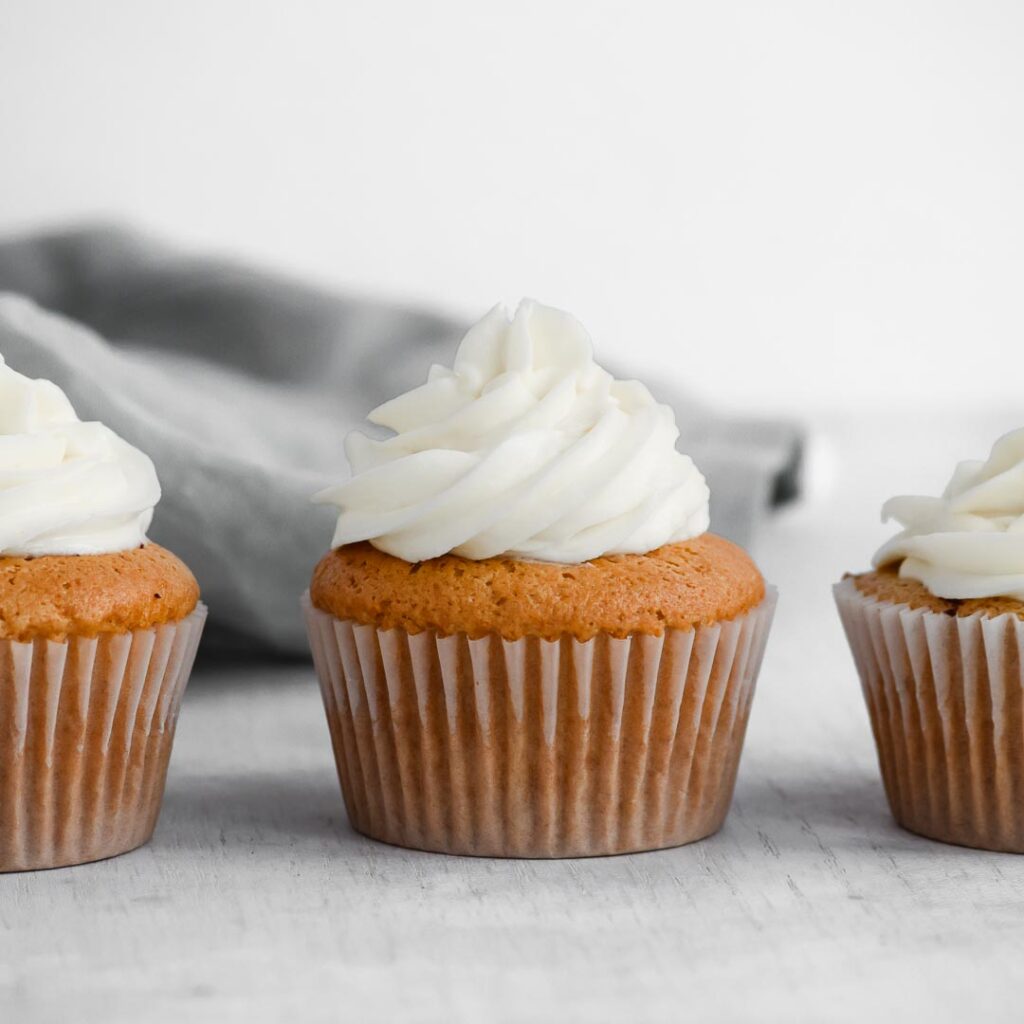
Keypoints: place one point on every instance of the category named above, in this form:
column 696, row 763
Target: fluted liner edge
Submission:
column 945, row 695
column 537, row 748
column 86, row 729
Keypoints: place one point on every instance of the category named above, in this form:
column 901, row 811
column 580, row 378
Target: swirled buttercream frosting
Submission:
column 66, row 487
column 525, row 447
column 968, row 543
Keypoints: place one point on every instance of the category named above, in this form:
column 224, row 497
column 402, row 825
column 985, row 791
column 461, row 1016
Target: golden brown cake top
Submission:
column 57, row 596
column 887, row 585
column 694, row 582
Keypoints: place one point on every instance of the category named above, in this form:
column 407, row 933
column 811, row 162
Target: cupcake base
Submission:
column 536, row 748
column 87, row 729
column 945, row 695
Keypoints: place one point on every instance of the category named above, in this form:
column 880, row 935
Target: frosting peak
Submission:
column 968, row 543
column 524, row 447
column 66, row 487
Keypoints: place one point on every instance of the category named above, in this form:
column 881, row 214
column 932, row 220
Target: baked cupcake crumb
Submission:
column 888, row 586
column 678, row 586
column 53, row 597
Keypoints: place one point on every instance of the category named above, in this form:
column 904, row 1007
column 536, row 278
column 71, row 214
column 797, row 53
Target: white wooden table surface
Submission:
column 256, row 902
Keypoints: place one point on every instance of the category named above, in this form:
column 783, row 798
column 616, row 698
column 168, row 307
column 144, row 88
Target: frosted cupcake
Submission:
column 98, row 631
column 937, row 635
column 527, row 642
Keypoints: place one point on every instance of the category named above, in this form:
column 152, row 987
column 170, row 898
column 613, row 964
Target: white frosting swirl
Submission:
column 526, row 447
column 970, row 542
column 66, row 487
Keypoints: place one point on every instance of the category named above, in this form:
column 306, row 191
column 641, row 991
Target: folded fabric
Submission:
column 241, row 385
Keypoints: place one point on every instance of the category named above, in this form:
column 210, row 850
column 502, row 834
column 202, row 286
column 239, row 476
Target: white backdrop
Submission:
column 786, row 205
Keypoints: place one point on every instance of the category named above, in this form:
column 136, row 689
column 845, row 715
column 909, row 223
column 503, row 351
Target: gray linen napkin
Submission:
column 241, row 385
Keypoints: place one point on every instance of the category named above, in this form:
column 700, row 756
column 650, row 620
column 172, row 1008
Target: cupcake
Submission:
column 98, row 630
column 528, row 644
column 937, row 634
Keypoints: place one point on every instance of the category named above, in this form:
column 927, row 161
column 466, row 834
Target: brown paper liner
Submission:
column 537, row 748
column 945, row 695
column 86, row 728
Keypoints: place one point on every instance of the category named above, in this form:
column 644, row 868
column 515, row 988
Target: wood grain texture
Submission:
column 256, row 902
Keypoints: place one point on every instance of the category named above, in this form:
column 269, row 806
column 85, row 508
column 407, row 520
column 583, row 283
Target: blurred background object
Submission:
column 241, row 385
column 774, row 205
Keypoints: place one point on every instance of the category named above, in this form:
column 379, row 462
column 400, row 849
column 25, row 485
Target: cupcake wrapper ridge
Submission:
column 87, row 727
column 945, row 696
column 537, row 748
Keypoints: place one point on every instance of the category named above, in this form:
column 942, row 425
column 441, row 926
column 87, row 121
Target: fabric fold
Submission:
column 241, row 385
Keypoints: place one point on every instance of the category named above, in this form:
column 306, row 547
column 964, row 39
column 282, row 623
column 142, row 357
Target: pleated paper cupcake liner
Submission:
column 945, row 695
column 87, row 727
column 537, row 748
